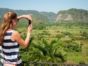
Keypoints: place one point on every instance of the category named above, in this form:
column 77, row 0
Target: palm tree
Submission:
column 47, row 52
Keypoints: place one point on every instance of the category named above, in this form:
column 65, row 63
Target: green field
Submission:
column 56, row 42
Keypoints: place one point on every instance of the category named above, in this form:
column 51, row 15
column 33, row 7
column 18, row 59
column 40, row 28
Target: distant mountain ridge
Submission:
column 42, row 16
column 51, row 16
column 73, row 15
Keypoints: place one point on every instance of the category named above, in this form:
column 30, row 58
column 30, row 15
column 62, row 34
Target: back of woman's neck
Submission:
column 9, row 29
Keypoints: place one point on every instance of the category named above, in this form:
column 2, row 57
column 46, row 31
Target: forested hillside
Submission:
column 73, row 15
column 37, row 16
column 78, row 15
column 51, row 16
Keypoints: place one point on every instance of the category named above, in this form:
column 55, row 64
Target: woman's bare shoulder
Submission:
column 16, row 34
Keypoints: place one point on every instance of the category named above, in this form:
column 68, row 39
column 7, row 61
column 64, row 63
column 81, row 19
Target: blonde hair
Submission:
column 6, row 24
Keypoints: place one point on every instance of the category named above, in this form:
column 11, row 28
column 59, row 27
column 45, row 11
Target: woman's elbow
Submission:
column 25, row 46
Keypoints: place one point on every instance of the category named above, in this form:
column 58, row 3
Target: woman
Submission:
column 10, row 39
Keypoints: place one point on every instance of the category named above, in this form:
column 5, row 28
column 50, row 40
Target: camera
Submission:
column 29, row 22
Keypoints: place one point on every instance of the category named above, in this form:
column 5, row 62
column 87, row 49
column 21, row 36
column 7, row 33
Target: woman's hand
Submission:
column 28, row 17
column 29, row 28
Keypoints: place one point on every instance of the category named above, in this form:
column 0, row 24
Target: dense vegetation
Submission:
column 56, row 42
